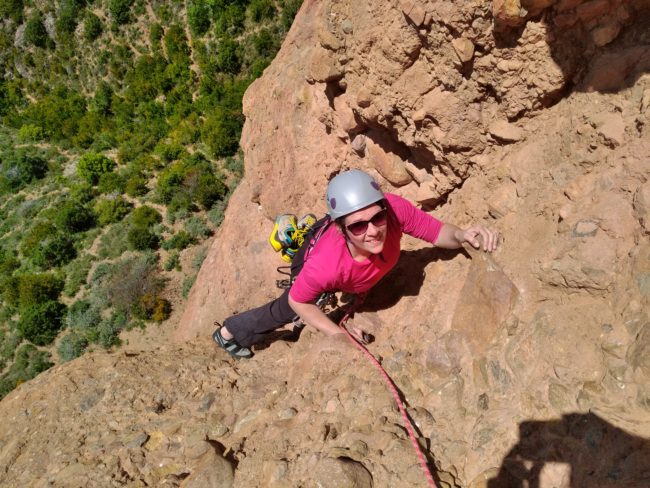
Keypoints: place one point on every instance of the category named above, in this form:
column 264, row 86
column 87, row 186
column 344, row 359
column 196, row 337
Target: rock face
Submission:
column 527, row 369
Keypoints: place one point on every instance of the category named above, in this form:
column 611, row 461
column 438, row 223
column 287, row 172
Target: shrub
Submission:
column 198, row 17
column 34, row 289
column 108, row 331
column 120, row 10
column 40, row 231
column 155, row 34
column 199, row 258
column 145, row 216
column 129, row 279
column 136, row 186
column 111, row 183
column 170, row 151
column 221, row 132
column 181, row 204
column 189, row 179
column 187, row 286
column 229, row 59
column 229, row 19
column 196, row 228
column 10, row 341
column 58, row 113
column 35, row 32
column 173, row 262
column 103, row 99
column 56, row 250
column 20, row 169
column 152, row 307
column 179, row 241
column 176, row 45
column 92, row 166
column 113, row 242
column 111, row 210
column 83, row 192
column 66, row 22
column 92, row 27
column 72, row 216
column 289, row 10
column 83, row 316
column 12, row 9
column 77, row 274
column 217, row 213
column 142, row 239
column 71, row 346
column 261, row 10
column 31, row 133
column 28, row 363
column 8, row 262
column 41, row 322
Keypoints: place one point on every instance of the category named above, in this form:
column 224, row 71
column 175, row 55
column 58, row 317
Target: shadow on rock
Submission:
column 597, row 46
column 577, row 451
column 406, row 278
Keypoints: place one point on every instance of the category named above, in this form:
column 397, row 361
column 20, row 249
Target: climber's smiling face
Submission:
column 365, row 230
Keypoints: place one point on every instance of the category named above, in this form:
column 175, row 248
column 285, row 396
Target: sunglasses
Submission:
column 360, row 227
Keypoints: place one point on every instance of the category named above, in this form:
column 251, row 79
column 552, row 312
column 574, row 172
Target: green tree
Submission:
column 92, row 27
column 41, row 322
column 66, row 21
column 176, row 45
column 260, row 10
column 228, row 57
column 102, row 101
column 141, row 239
column 120, row 11
column 221, row 132
column 35, row 32
column 12, row 9
column 55, row 250
column 92, row 165
column 198, row 17
column 21, row 168
column 111, row 210
column 72, row 216
column 111, row 183
column 58, row 112
column 145, row 216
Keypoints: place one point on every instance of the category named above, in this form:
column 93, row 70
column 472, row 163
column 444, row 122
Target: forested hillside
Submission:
column 120, row 122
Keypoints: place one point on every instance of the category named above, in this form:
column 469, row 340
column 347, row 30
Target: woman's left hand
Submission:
column 479, row 236
column 359, row 334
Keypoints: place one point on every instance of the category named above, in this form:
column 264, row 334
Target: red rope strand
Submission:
column 400, row 405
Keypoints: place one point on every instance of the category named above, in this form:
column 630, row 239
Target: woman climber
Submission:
column 350, row 256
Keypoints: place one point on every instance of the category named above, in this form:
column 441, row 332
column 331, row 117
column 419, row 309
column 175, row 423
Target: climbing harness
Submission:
column 398, row 400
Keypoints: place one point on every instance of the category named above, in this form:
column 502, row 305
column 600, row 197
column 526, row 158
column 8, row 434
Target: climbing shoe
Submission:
column 303, row 226
column 231, row 346
column 282, row 234
column 306, row 222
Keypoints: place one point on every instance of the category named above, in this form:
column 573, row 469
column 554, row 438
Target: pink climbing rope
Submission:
column 400, row 405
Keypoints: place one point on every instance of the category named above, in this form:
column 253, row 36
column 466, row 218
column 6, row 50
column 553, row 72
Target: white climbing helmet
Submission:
column 351, row 191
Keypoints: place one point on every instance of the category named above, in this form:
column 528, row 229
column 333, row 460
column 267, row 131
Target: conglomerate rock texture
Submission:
column 526, row 368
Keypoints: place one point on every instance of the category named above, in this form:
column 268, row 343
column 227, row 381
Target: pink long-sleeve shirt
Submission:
column 330, row 267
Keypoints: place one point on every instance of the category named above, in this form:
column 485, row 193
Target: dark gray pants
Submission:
column 252, row 326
